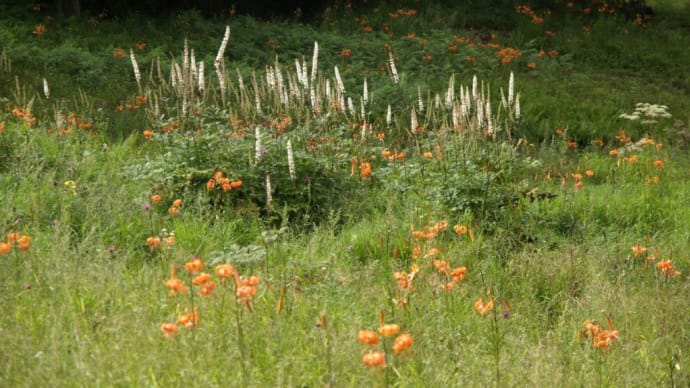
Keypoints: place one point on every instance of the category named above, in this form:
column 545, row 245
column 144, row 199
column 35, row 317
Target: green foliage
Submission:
column 556, row 216
column 184, row 161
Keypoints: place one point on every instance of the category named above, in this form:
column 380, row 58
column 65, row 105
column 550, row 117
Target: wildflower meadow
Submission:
column 411, row 194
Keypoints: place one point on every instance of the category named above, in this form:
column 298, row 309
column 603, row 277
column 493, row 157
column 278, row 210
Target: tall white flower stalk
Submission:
column 135, row 67
column 511, row 89
column 302, row 73
column 413, row 120
column 338, row 80
column 257, row 93
column 474, row 86
column 389, row 116
column 46, row 89
column 489, row 122
column 391, row 67
column 450, row 94
column 420, row 103
column 173, row 77
column 362, row 111
column 465, row 102
column 291, row 161
column 314, row 63
column 218, row 63
column 185, row 61
column 480, row 113
column 257, row 144
column 193, row 71
column 269, row 191
column 313, row 95
column 365, row 92
column 300, row 77
column 200, row 77
column 517, row 106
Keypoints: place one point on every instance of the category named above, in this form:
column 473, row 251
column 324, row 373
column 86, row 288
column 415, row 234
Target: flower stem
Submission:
column 240, row 341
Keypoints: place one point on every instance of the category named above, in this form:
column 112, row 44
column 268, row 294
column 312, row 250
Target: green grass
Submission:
column 85, row 302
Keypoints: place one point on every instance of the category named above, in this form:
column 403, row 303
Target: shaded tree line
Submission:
column 259, row 8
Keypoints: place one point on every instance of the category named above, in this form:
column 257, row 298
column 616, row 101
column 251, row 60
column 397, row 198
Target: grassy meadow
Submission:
column 409, row 195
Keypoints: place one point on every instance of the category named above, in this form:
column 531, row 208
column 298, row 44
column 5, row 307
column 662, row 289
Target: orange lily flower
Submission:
column 374, row 359
column 482, row 308
column 389, row 329
column 368, row 337
column 402, row 342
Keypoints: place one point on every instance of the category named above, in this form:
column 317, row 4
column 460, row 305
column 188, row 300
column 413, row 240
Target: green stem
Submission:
column 497, row 347
column 240, row 341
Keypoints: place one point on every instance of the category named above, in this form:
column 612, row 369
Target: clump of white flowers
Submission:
column 647, row 113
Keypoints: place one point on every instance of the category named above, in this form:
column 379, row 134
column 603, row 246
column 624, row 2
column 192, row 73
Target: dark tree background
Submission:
column 304, row 9
column 260, row 8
